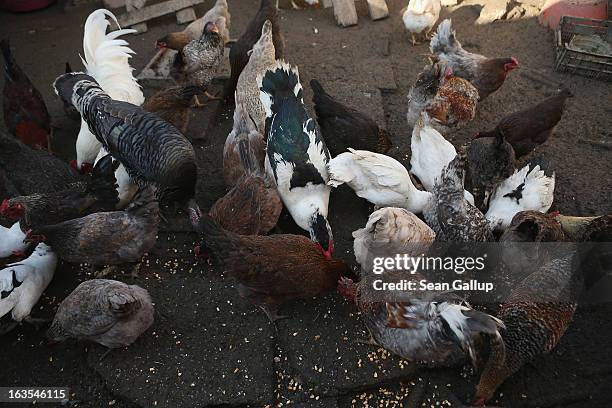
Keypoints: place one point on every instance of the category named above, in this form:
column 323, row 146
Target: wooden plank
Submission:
column 345, row 12
column 378, row 9
column 329, row 3
column 185, row 16
column 155, row 10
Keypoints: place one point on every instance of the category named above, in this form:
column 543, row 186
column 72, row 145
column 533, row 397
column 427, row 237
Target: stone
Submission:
column 345, row 12
column 378, row 9
column 492, row 11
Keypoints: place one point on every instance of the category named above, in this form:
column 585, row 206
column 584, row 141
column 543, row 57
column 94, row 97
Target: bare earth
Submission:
column 207, row 346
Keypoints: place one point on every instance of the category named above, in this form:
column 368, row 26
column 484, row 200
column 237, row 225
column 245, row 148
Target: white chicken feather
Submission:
column 524, row 190
column 11, row 240
column 378, row 178
column 107, row 61
column 420, row 16
column 22, row 283
column 431, row 152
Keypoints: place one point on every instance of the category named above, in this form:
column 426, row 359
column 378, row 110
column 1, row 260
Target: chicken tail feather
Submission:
column 12, row 71
column 444, row 40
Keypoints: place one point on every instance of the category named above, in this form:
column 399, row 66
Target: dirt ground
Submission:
column 208, row 347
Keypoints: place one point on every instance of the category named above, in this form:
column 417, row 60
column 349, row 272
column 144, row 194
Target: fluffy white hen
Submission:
column 419, row 18
column 431, row 152
column 378, row 178
column 11, row 240
column 527, row 189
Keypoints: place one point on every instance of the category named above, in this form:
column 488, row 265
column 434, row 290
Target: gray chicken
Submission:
column 198, row 62
column 423, row 92
column 107, row 312
column 449, row 214
column 152, row 151
column 419, row 325
column 106, row 238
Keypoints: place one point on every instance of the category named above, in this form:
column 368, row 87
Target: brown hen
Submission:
column 172, row 104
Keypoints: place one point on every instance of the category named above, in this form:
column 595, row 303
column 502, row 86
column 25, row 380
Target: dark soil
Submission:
column 208, row 347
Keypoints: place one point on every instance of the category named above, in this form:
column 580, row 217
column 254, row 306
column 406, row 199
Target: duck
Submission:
column 419, row 18
column 431, row 152
column 388, row 231
column 296, row 154
column 378, row 178
column 527, row 189
column 22, row 283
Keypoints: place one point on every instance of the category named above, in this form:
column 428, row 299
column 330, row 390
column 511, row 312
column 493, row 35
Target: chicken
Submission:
column 486, row 74
column 239, row 53
column 252, row 206
column 421, row 325
column 260, row 60
column 578, row 229
column 243, row 129
column 296, row 155
column 172, row 105
column 536, row 314
column 107, row 312
column 449, row 214
column 28, row 171
column 390, row 231
column 219, row 14
column 71, row 112
column 529, row 128
column 199, row 61
column 380, row 179
column 423, row 91
column 11, row 239
column 152, row 151
column 490, row 161
column 98, row 193
column 25, row 112
column 343, row 127
column 22, row 284
column 419, row 17
column 271, row 270
column 530, row 188
column 454, row 104
column 106, row 59
column 431, row 152
column 106, row 238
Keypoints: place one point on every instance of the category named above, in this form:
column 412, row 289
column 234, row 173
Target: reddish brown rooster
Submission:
column 25, row 112
column 270, row 270
column 529, row 128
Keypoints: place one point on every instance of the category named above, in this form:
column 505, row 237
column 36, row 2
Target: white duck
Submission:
column 378, row 178
column 431, row 152
column 527, row 189
column 107, row 60
column 11, row 240
column 390, row 231
column 420, row 16
column 296, row 155
column 22, row 284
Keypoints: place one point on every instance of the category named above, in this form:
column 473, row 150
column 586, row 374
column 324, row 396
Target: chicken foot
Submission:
column 272, row 313
column 198, row 104
column 111, row 269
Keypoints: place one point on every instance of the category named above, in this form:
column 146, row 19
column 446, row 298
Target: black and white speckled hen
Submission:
column 343, row 127
column 97, row 192
column 449, row 214
column 529, row 128
column 270, row 270
column 152, row 151
column 107, row 312
column 423, row 91
column 424, row 326
column 25, row 112
column 28, row 171
column 239, row 53
column 106, row 238
column 536, row 315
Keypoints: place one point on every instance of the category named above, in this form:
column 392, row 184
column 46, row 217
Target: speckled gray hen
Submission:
column 107, row 312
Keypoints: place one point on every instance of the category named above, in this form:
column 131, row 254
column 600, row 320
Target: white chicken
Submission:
column 378, row 178
column 11, row 240
column 22, row 284
column 527, row 189
column 391, row 231
column 107, row 60
column 431, row 152
column 420, row 16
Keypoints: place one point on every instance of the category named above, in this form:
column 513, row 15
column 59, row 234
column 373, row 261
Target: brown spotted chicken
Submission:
column 106, row 312
column 106, row 238
column 270, row 270
column 252, row 206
